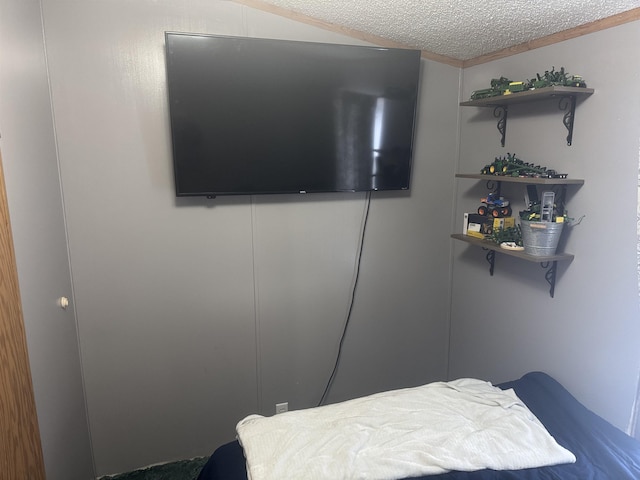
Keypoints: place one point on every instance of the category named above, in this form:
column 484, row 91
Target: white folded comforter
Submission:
column 465, row 424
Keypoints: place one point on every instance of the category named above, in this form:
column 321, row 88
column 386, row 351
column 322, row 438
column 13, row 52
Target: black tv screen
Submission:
column 260, row 116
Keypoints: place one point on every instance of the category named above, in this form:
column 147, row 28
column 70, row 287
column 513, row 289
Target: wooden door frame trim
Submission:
column 21, row 453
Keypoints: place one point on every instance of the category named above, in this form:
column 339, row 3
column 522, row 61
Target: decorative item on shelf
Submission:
column 498, row 87
column 507, row 235
column 515, row 87
column 545, row 210
column 483, row 226
column 474, row 225
column 494, row 206
column 511, row 246
column 503, row 223
column 542, row 224
column 504, row 86
column 560, row 77
column 541, row 238
column 511, row 166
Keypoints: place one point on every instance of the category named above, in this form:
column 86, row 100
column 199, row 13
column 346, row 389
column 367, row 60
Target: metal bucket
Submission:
column 540, row 238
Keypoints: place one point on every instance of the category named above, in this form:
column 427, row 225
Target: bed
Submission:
column 601, row 450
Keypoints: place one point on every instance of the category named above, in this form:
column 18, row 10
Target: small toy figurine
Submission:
column 512, row 166
column 495, row 206
column 504, row 86
column 557, row 78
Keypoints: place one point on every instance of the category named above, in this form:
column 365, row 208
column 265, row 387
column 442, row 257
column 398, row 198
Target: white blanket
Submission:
column 465, row 424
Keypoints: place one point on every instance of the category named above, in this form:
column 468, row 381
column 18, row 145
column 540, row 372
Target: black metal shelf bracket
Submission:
column 568, row 103
column 491, row 259
column 550, row 275
column 567, row 97
column 494, row 186
column 500, row 112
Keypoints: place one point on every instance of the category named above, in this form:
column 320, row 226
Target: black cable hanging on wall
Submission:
column 351, row 302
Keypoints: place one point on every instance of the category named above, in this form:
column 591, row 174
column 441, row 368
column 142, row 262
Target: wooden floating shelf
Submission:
column 566, row 97
column 513, row 253
column 535, row 95
column 549, row 262
column 527, row 180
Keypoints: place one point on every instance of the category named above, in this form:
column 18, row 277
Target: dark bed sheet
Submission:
column 602, row 451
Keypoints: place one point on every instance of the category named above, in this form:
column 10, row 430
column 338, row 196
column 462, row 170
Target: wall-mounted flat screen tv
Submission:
column 261, row 116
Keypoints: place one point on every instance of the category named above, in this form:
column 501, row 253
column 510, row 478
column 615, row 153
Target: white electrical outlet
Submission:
column 282, row 407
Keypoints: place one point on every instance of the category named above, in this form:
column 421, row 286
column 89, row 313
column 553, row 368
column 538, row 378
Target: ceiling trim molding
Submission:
column 350, row 32
column 591, row 27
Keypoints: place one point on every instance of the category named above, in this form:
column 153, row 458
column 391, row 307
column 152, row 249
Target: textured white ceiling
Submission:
column 458, row 29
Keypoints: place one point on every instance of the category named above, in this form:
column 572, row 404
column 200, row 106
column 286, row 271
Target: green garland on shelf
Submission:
column 510, row 234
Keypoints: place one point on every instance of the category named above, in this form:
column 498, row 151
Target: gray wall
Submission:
column 38, row 224
column 588, row 335
column 193, row 313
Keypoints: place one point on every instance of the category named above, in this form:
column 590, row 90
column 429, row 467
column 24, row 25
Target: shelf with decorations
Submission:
column 494, row 184
column 565, row 95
